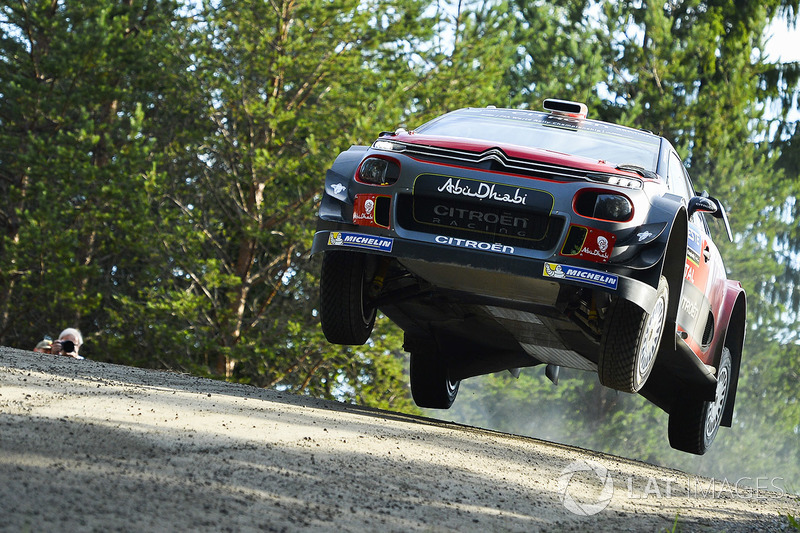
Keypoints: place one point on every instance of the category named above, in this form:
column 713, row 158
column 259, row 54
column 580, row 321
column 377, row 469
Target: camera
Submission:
column 67, row 346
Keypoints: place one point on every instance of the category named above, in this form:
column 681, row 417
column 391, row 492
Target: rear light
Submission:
column 603, row 205
column 377, row 170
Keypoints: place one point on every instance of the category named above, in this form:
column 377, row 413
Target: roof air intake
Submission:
column 565, row 107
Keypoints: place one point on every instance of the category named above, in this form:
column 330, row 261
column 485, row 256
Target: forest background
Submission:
column 161, row 163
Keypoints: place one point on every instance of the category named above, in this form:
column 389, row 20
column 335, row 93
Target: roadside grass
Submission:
column 794, row 521
column 676, row 527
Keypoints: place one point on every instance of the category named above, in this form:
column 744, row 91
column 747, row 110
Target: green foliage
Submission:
column 676, row 528
column 75, row 80
column 466, row 70
column 558, row 53
column 285, row 87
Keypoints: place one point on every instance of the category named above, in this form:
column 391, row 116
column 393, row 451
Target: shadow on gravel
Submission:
column 121, row 480
column 122, row 477
column 160, row 380
column 180, row 382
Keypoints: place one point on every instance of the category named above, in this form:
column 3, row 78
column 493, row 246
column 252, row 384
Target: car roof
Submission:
column 478, row 123
column 545, row 118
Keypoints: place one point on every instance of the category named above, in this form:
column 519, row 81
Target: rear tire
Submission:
column 347, row 316
column 693, row 423
column 631, row 338
column 431, row 385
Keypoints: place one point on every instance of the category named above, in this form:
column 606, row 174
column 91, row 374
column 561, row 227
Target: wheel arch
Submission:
column 338, row 178
column 733, row 331
column 347, row 162
column 666, row 254
column 673, row 265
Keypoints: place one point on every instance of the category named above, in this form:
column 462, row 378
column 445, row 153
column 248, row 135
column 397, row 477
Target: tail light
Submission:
column 378, row 170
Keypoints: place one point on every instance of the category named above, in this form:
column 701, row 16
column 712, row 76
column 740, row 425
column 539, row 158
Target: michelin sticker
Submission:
column 585, row 275
column 359, row 240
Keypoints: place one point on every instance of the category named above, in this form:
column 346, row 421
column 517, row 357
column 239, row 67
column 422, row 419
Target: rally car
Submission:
column 502, row 238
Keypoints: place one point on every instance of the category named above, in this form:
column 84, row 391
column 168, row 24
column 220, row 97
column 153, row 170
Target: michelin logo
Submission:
column 359, row 240
column 585, row 275
column 552, row 270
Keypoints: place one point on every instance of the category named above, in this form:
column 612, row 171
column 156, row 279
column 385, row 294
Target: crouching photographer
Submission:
column 68, row 344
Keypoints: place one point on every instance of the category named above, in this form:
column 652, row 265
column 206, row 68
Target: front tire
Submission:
column 346, row 314
column 431, row 385
column 693, row 423
column 631, row 338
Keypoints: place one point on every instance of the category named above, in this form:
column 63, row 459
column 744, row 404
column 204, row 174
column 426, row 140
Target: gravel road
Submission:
column 86, row 446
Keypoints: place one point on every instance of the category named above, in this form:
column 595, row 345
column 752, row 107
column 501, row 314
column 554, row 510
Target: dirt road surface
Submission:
column 86, row 446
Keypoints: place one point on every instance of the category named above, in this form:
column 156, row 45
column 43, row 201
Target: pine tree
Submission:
column 76, row 80
column 286, row 86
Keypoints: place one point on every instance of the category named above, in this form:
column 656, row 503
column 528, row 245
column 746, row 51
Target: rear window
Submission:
column 592, row 139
